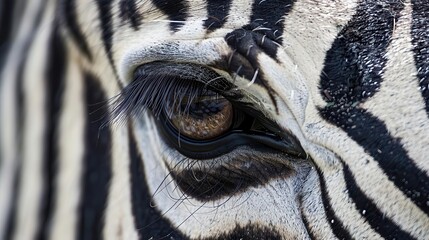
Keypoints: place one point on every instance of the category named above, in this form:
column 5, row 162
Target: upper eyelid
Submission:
column 204, row 52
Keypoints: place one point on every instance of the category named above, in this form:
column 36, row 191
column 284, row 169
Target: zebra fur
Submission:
column 348, row 80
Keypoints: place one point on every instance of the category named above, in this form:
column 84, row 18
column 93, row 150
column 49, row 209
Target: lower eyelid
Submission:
column 233, row 139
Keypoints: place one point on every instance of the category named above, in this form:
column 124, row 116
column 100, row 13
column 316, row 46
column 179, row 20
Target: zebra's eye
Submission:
column 204, row 118
column 198, row 112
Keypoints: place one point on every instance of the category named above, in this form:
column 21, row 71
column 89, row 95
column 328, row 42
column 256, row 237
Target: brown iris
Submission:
column 204, row 118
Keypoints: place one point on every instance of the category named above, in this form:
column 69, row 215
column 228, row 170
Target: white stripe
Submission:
column 194, row 24
column 71, row 149
column 239, row 15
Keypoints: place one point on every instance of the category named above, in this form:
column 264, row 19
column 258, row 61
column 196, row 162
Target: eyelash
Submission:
column 158, row 91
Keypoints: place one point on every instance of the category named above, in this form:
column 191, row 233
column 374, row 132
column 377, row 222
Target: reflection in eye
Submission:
column 205, row 117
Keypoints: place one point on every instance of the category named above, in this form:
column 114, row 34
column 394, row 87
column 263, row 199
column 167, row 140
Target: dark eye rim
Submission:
column 229, row 141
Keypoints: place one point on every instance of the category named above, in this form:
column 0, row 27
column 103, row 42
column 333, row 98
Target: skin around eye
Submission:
column 203, row 119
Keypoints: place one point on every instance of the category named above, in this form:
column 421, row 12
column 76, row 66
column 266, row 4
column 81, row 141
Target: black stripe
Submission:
column 218, row 11
column 54, row 95
column 96, row 162
column 270, row 14
column 247, row 46
column 336, row 225
column 378, row 221
column 148, row 221
column 20, row 119
column 176, row 10
column 129, row 13
column 68, row 10
column 420, row 41
column 352, row 73
column 356, row 60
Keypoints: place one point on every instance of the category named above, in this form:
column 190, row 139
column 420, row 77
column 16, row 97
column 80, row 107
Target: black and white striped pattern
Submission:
column 347, row 79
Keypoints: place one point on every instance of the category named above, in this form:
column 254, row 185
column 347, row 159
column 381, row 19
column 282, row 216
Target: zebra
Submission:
column 216, row 119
